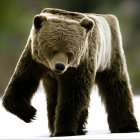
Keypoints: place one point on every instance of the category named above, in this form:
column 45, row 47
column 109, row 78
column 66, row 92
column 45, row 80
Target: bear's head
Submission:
column 59, row 41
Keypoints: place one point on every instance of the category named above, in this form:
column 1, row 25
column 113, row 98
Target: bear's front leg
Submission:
column 74, row 88
column 51, row 88
column 22, row 85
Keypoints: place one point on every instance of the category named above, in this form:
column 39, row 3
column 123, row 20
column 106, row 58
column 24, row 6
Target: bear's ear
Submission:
column 38, row 21
column 87, row 23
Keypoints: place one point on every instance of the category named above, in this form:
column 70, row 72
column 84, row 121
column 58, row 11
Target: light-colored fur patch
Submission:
column 59, row 58
column 58, row 17
column 103, row 53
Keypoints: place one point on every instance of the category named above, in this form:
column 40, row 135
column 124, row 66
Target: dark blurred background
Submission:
column 16, row 19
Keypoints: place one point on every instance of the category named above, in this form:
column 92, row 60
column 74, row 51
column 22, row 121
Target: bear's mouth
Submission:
column 58, row 72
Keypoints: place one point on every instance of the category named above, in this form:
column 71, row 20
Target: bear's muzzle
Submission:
column 59, row 63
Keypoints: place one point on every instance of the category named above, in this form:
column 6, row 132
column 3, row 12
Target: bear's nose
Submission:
column 59, row 67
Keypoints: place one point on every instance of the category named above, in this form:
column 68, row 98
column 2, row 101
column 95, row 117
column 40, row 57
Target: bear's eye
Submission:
column 54, row 52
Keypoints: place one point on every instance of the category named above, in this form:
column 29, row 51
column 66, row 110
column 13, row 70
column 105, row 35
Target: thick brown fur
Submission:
column 92, row 44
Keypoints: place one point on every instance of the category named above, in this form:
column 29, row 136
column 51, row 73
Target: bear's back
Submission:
column 63, row 14
column 76, row 16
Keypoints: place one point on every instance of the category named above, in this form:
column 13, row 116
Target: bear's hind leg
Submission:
column 116, row 94
column 51, row 88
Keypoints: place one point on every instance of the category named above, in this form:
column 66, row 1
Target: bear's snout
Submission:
column 59, row 63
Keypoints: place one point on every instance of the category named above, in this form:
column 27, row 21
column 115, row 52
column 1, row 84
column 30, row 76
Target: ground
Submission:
column 12, row 127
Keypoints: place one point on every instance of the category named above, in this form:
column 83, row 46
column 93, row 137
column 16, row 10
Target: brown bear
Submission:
column 71, row 52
